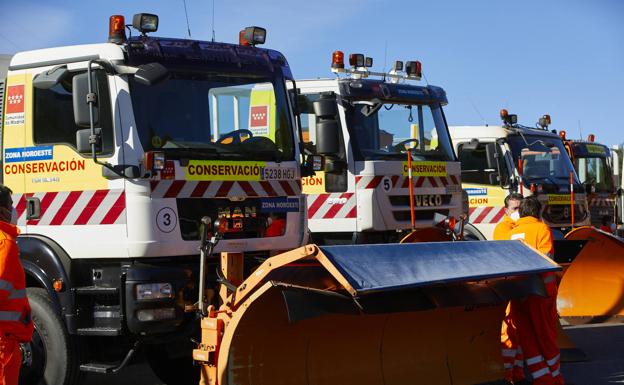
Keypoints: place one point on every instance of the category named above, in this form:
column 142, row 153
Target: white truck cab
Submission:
column 497, row 160
column 115, row 152
column 362, row 195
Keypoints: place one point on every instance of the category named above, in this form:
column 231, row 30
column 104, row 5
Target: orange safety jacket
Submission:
column 15, row 320
column 538, row 235
column 502, row 229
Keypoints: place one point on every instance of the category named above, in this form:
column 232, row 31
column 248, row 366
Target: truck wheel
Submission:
column 172, row 370
column 472, row 234
column 54, row 355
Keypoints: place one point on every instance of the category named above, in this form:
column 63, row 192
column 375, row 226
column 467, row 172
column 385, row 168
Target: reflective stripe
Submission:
column 539, row 373
column 534, row 360
column 553, row 360
column 10, row 315
column 519, row 363
column 509, row 352
column 549, row 279
column 16, row 294
column 507, row 366
column 555, row 373
column 6, row 285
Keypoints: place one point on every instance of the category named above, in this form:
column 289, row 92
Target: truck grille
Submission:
column 425, row 206
column 562, row 213
column 244, row 219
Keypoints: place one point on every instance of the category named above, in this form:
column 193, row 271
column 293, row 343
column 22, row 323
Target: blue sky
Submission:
column 561, row 57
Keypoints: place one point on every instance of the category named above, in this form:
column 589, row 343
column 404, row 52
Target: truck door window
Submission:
column 54, row 114
column 474, row 166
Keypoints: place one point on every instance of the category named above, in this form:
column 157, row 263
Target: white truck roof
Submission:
column 492, row 132
column 68, row 54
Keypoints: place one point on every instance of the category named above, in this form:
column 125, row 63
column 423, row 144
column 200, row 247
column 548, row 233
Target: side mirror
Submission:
column 81, row 96
column 151, row 74
column 494, row 179
column 327, row 128
column 83, row 140
column 590, row 188
column 50, row 78
column 318, row 162
column 472, row 145
column 491, row 156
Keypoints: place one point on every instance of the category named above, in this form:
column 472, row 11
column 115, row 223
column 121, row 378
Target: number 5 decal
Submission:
column 386, row 183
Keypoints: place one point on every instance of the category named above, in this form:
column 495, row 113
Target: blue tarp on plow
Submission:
column 370, row 268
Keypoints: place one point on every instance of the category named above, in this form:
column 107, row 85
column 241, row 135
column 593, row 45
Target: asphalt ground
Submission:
column 603, row 344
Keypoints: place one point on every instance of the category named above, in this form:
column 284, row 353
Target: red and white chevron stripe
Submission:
column 399, row 181
column 96, row 207
column 487, row 214
column 221, row 189
column 602, row 202
column 332, row 206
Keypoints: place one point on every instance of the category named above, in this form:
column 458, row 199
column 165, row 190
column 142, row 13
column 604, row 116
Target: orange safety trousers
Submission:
column 536, row 319
column 10, row 361
column 513, row 357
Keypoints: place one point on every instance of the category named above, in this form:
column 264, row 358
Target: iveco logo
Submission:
column 336, row 201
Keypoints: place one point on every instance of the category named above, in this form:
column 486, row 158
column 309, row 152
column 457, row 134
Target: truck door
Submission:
column 328, row 194
column 482, row 182
column 17, row 105
column 66, row 187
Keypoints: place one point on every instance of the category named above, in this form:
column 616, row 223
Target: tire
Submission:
column 54, row 351
column 472, row 234
column 172, row 370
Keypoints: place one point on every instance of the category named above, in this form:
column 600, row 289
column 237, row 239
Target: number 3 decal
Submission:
column 166, row 220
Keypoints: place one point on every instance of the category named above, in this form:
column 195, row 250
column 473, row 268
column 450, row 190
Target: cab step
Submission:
column 95, row 290
column 111, row 368
column 99, row 331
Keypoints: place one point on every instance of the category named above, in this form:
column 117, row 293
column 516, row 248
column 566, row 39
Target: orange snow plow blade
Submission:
column 592, row 287
column 370, row 314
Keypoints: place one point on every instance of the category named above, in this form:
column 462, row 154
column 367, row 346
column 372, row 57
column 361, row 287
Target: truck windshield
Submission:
column 388, row 131
column 210, row 116
column 596, row 171
column 544, row 160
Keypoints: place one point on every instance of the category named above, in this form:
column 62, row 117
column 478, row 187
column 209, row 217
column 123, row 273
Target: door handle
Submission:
column 33, row 208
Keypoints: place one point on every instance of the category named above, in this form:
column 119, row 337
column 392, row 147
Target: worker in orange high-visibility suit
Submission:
column 513, row 359
column 15, row 323
column 536, row 316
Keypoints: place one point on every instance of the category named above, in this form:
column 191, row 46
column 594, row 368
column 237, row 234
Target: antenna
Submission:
column 188, row 27
column 385, row 55
column 477, row 111
column 213, row 29
column 579, row 127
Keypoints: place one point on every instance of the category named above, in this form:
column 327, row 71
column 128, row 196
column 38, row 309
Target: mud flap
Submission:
column 372, row 314
column 592, row 287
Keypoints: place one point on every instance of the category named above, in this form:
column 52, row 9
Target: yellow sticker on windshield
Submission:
column 224, row 170
column 425, row 168
column 559, row 199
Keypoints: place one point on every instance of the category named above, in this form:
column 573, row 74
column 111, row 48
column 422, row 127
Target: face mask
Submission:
column 515, row 215
column 13, row 216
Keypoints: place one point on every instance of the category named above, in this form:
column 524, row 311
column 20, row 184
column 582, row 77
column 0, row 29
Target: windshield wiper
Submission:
column 548, row 178
column 204, row 153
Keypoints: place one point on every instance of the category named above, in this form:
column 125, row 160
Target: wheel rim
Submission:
column 34, row 372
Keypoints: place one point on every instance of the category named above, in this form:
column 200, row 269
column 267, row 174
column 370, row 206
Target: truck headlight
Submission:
column 159, row 314
column 146, row 291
